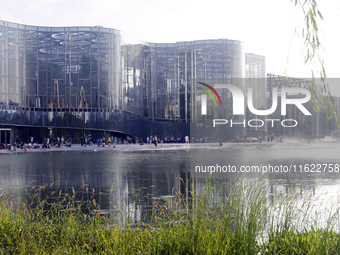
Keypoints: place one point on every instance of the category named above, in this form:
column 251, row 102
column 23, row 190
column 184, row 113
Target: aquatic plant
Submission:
column 241, row 217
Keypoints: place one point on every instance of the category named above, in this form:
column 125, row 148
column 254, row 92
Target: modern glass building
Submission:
column 318, row 125
column 73, row 81
column 76, row 81
column 256, row 78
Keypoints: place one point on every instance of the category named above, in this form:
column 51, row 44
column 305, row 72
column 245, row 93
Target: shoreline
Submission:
column 176, row 146
column 119, row 147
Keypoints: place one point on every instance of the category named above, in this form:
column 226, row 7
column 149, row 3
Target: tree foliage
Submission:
column 310, row 33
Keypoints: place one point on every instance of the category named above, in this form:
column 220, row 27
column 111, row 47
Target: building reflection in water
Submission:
column 132, row 182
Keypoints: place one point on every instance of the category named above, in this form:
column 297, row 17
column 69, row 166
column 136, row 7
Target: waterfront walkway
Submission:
column 119, row 147
column 181, row 146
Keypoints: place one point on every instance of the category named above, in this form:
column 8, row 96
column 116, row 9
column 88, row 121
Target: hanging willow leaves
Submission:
column 310, row 32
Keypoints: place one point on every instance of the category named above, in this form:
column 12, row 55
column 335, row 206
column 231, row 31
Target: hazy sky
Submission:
column 265, row 26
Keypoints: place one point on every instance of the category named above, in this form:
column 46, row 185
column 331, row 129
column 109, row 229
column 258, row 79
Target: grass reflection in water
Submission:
column 241, row 217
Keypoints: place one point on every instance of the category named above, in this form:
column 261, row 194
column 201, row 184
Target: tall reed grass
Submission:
column 243, row 217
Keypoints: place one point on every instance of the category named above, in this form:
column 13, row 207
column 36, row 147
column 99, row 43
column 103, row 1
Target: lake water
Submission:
column 134, row 180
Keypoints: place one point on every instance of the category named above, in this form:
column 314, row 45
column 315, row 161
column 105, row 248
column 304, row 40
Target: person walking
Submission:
column 155, row 141
column 114, row 142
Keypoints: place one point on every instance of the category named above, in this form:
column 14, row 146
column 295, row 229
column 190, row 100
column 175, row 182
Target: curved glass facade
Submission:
column 73, row 67
column 101, row 78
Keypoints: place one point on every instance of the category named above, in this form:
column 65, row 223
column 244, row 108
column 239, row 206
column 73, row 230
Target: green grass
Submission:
column 242, row 218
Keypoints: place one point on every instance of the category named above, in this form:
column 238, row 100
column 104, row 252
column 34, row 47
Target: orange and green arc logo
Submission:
column 209, row 93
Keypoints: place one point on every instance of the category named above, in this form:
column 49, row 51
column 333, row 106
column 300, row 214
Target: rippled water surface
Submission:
column 122, row 178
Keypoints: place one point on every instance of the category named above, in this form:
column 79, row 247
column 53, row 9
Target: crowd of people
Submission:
column 112, row 141
column 19, row 144
column 58, row 142
column 156, row 140
column 268, row 138
column 100, row 142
